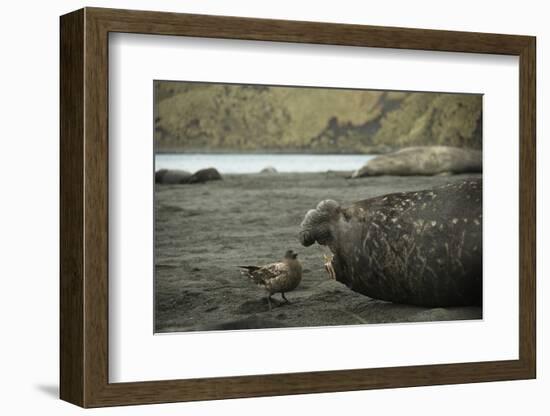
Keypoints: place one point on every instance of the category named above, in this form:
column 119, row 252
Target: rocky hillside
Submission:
column 221, row 117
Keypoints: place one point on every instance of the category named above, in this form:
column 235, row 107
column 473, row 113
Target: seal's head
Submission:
column 316, row 223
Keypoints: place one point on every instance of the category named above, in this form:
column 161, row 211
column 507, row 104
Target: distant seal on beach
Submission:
column 421, row 248
column 423, row 160
column 268, row 169
column 205, row 175
column 171, row 176
column 177, row 176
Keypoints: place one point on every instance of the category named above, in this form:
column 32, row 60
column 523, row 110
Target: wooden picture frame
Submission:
column 84, row 207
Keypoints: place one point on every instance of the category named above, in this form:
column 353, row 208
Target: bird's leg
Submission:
column 284, row 297
column 269, row 302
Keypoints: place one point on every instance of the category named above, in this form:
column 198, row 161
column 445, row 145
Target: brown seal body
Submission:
column 205, row 175
column 423, row 160
column 421, row 248
column 171, row 176
column 181, row 177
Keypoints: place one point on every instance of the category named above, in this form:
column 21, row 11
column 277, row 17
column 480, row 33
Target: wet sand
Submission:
column 203, row 231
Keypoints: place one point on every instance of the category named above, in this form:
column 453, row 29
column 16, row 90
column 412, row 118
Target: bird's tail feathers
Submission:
column 249, row 271
column 249, row 268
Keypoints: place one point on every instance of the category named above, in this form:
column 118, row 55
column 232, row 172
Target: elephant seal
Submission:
column 205, row 175
column 268, row 170
column 420, row 248
column 423, row 160
column 176, row 176
column 171, row 176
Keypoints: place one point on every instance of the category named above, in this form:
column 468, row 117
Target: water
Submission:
column 254, row 163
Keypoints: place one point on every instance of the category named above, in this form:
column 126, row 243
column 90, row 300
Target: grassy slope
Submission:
column 220, row 117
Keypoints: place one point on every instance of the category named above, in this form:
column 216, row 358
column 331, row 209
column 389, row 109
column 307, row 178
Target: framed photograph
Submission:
column 255, row 207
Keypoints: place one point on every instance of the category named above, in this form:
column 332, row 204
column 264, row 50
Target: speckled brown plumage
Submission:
column 279, row 277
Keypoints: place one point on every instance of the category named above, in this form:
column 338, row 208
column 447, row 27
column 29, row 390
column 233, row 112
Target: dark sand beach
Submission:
column 203, row 231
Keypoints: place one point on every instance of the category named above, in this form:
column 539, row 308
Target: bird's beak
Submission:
column 295, row 255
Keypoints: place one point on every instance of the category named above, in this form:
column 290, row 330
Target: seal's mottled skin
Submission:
column 421, row 248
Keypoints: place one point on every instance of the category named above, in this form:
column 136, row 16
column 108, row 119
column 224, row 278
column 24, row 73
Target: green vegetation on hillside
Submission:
column 223, row 117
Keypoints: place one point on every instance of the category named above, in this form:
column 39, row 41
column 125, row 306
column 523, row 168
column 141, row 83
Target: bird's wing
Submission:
column 270, row 271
